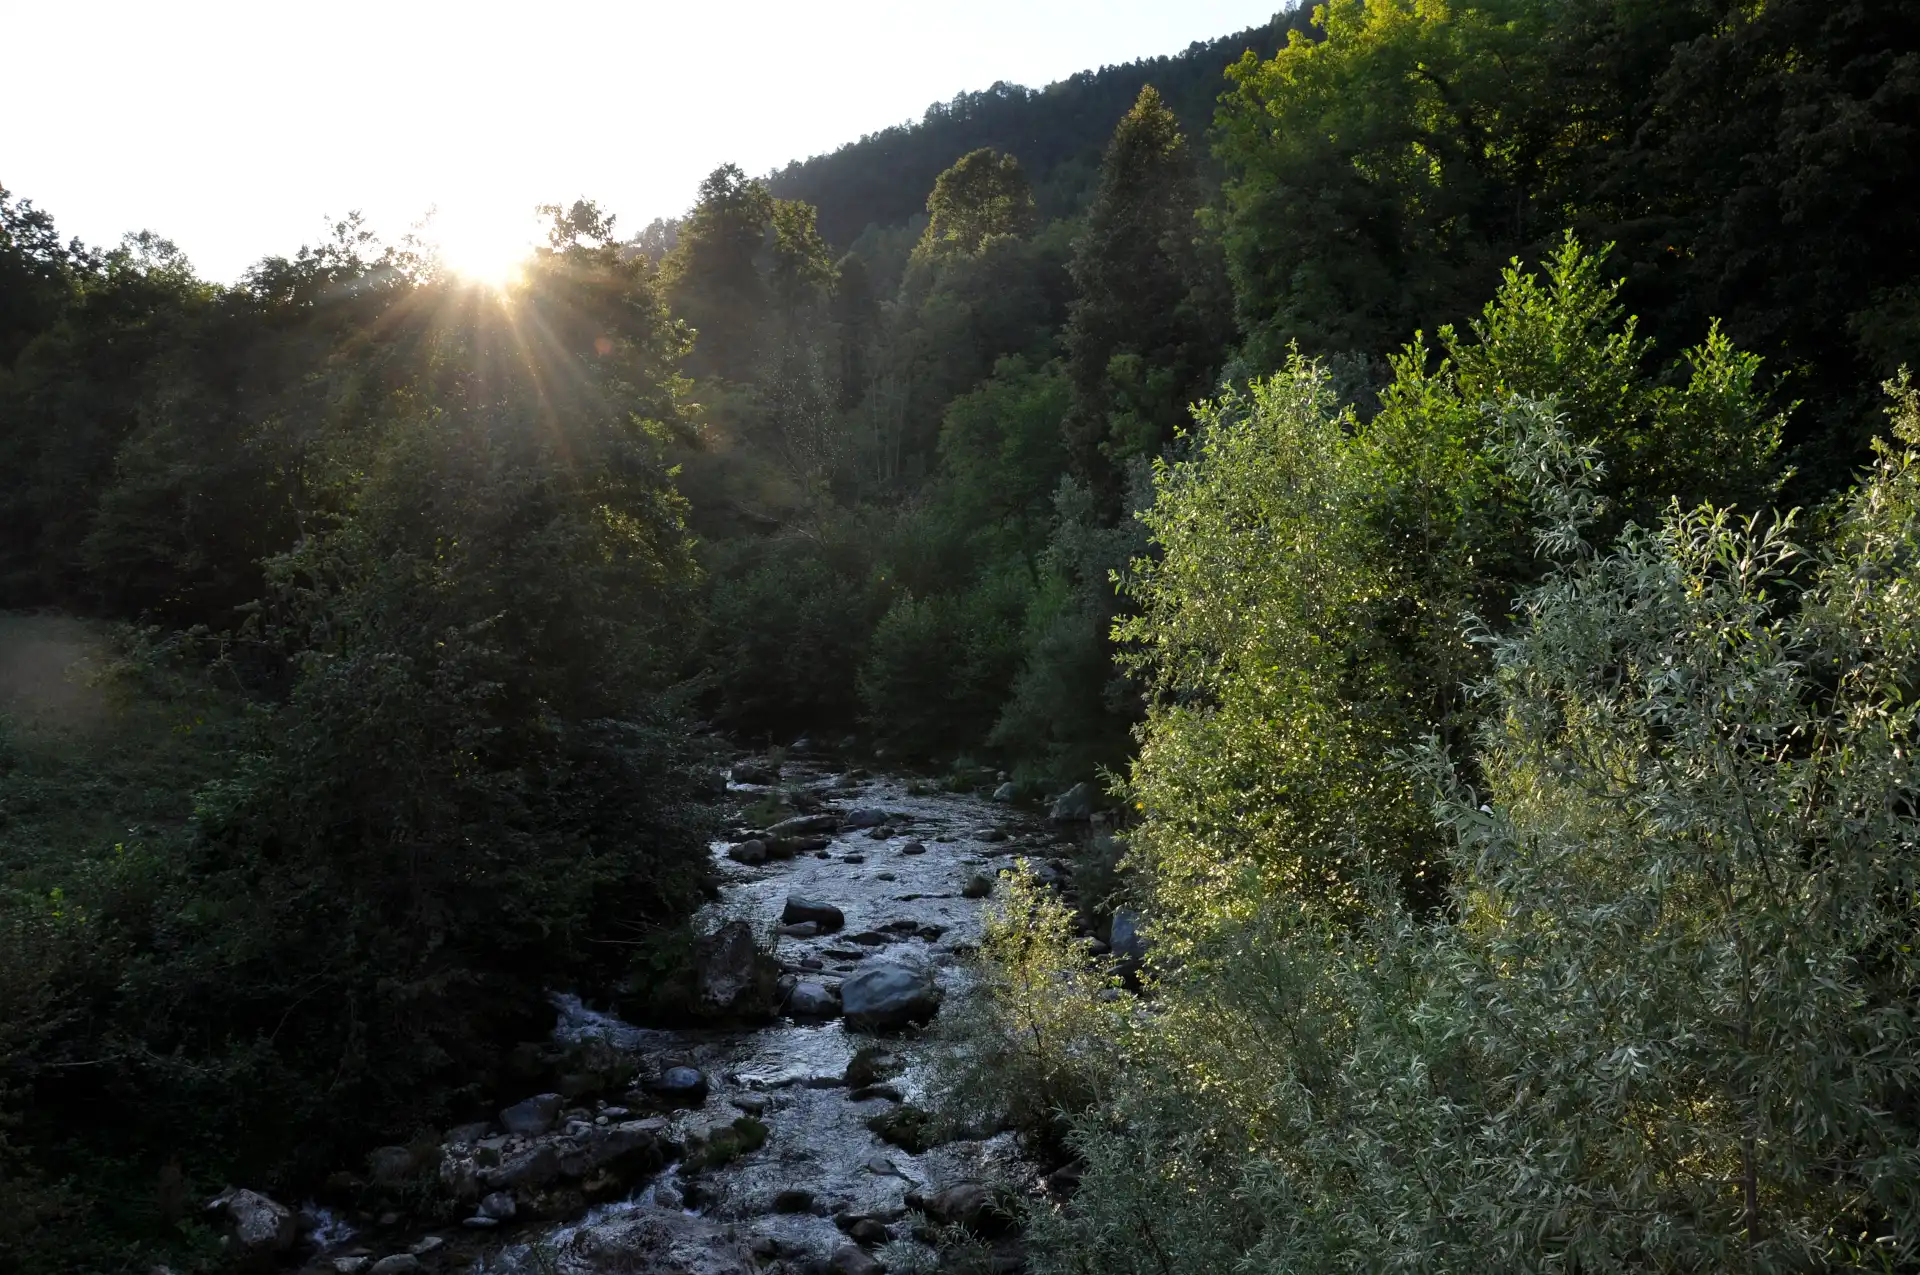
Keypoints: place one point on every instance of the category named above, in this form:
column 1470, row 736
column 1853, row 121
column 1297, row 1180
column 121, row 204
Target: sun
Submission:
column 486, row 249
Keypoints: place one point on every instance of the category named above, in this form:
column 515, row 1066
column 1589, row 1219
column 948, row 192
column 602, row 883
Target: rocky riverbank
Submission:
column 799, row 1146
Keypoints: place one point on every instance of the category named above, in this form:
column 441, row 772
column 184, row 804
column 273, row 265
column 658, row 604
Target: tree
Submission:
column 712, row 277
column 1146, row 328
column 983, row 196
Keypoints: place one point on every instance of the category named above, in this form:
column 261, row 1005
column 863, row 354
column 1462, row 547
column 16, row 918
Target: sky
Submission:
column 237, row 129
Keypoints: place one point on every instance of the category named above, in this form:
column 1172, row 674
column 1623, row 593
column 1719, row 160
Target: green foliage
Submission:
column 1298, row 626
column 446, row 772
column 1147, row 325
column 984, row 196
column 1035, row 1043
column 1670, row 994
column 1751, row 162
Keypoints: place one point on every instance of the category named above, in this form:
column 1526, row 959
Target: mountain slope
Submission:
column 1057, row 133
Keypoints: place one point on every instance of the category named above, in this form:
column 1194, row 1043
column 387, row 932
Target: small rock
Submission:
column 465, row 1135
column 978, row 886
column 967, row 1204
column 754, row 851
column 1075, row 805
column 260, row 1225
column 882, row 1166
column 853, row 858
column 880, row 834
column 862, row 1229
column 804, row 930
column 864, row 818
column 793, row 1200
column 682, row 1086
column 884, row 876
column 425, row 1245
column 498, row 1207
column 1005, row 792
column 397, row 1264
column 804, row 825
column 850, row 1260
column 800, row 909
column 390, row 1166
column 914, row 847
column 1065, row 1180
column 753, row 772
column 533, row 1117
column 350, row 1265
column 889, row 994
column 812, row 1000
column 990, row 834
column 480, row 1222
column 752, row 1103
column 870, row 938
column 823, row 854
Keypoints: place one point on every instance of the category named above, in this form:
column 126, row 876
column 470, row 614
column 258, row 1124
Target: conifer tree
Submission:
column 1142, row 342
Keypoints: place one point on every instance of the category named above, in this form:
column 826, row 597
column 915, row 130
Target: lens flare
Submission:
column 488, row 249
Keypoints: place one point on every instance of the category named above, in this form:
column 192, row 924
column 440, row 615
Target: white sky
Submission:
column 235, row 128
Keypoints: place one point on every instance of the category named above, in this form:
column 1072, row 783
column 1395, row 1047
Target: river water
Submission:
column 788, row 1073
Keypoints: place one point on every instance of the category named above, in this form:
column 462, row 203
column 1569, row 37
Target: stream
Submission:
column 822, row 1178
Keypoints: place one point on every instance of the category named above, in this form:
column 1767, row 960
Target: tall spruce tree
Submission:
column 1143, row 340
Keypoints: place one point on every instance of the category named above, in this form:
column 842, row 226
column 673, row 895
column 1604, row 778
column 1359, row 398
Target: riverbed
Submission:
column 822, row 1177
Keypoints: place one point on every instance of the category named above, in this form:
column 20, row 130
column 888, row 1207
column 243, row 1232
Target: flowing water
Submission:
column 788, row 1073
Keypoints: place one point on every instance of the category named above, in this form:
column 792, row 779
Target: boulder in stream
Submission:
column 888, row 994
column 978, row 886
column 850, row 1260
column 812, row 1000
column 681, row 1086
column 533, row 1117
column 798, row 910
column 731, row 976
column 804, row 825
column 1075, row 805
column 750, row 852
column 754, row 772
column 260, row 1225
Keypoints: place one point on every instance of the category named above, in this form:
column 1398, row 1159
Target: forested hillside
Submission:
column 1057, row 133
column 1443, row 473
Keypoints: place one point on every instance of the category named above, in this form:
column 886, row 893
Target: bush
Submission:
column 1664, row 1021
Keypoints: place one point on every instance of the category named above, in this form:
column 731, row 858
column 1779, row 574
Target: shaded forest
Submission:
column 1362, row 447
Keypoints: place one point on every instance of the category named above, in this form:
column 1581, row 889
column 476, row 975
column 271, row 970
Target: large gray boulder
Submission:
column 1125, row 939
column 533, row 1117
column 864, row 818
column 804, row 825
column 812, row 1000
column 730, row 976
column 889, row 994
column 800, row 910
column 260, row 1225
column 1075, row 805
